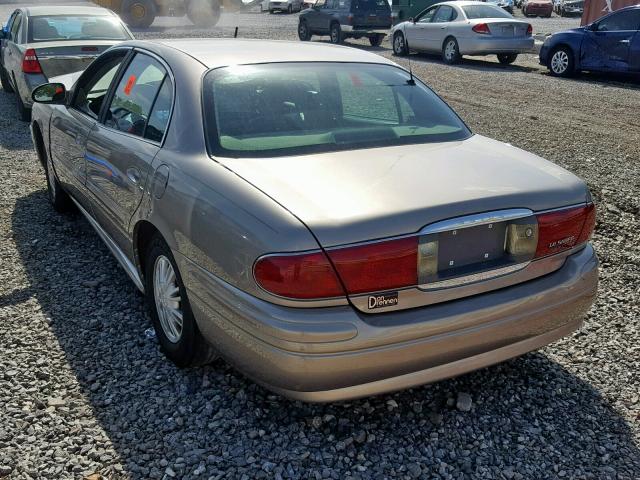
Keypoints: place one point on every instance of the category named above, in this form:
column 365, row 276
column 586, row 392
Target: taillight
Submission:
column 481, row 28
column 30, row 63
column 301, row 276
column 529, row 30
column 377, row 266
column 564, row 229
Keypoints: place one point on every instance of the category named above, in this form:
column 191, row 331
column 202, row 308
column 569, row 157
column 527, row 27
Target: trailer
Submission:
column 202, row 13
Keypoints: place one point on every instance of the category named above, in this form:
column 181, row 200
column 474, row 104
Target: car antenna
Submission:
column 235, row 34
column 411, row 81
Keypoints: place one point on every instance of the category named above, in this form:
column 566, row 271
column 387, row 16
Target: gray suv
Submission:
column 341, row 19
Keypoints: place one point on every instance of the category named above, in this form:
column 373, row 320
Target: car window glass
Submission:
column 75, row 27
column 484, row 11
column 94, row 85
column 443, row 14
column 329, row 4
column 132, row 99
column 626, row 20
column 159, row 117
column 343, row 5
column 427, row 16
column 289, row 109
column 17, row 21
column 7, row 27
column 372, row 5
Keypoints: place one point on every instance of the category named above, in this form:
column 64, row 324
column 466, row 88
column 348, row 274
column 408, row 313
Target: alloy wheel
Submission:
column 166, row 294
column 559, row 62
column 450, row 50
column 398, row 44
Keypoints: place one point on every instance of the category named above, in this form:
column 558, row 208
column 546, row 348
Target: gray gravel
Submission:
column 84, row 392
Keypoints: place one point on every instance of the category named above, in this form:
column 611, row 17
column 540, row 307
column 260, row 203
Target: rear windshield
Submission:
column 295, row 108
column 379, row 5
column 484, row 11
column 75, row 27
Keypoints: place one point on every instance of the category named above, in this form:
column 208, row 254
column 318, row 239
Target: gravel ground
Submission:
column 85, row 393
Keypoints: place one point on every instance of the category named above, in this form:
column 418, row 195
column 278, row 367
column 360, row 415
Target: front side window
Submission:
column 427, row 16
column 484, row 11
column 94, row 84
column 289, row 109
column 75, row 27
column 621, row 21
column 135, row 94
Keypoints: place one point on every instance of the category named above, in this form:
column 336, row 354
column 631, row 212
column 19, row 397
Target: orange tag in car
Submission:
column 355, row 80
column 129, row 86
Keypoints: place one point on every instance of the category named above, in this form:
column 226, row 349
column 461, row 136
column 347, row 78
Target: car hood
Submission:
column 352, row 196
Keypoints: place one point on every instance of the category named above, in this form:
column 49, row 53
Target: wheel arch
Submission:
column 39, row 143
column 143, row 233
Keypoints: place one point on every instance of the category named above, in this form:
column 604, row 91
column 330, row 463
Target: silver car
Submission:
column 288, row 6
column 454, row 29
column 46, row 41
column 315, row 214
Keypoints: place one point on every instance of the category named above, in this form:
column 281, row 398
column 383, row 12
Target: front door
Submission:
column 437, row 30
column 121, row 147
column 607, row 45
column 417, row 32
column 70, row 126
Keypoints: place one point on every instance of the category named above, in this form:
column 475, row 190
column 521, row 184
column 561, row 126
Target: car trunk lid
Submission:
column 60, row 58
column 508, row 29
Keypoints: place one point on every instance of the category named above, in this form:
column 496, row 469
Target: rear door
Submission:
column 417, row 33
column 318, row 18
column 121, row 147
column 438, row 29
column 608, row 45
column 4, row 43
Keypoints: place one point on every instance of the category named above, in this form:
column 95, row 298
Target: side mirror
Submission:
column 54, row 93
column 593, row 27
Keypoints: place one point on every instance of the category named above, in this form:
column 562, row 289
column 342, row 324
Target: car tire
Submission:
column 507, row 58
column 59, row 199
column 4, row 79
column 139, row 13
column 179, row 338
column 335, row 33
column 303, row 31
column 400, row 46
column 450, row 51
column 376, row 40
column 561, row 62
column 203, row 13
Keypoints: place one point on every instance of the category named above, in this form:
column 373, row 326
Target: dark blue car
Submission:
column 610, row 44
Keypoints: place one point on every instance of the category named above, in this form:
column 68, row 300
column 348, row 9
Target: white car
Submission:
column 288, row 6
column 462, row 28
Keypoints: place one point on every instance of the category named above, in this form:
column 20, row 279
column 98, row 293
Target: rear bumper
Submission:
column 362, row 31
column 337, row 353
column 484, row 45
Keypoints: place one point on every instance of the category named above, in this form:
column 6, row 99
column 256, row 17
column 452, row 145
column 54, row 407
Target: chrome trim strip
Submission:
column 474, row 277
column 475, row 220
column 126, row 264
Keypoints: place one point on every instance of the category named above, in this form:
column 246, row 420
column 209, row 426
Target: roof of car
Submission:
column 66, row 10
column 219, row 52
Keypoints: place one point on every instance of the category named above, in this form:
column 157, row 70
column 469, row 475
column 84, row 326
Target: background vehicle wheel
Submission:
column 376, row 40
column 450, row 51
column 139, row 13
column 561, row 62
column 303, row 31
column 176, row 329
column 336, row 33
column 203, row 13
column 507, row 58
column 4, row 79
column 400, row 46
column 60, row 200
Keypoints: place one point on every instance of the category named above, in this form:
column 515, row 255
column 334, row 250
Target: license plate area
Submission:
column 473, row 247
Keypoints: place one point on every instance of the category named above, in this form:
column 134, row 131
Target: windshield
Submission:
column 484, row 11
column 76, row 27
column 295, row 108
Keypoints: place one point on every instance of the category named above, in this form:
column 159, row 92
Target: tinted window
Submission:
column 627, row 20
column 427, row 16
column 287, row 109
column 444, row 14
column 75, row 27
column 94, row 84
column 160, row 112
column 15, row 26
column 484, row 11
column 132, row 100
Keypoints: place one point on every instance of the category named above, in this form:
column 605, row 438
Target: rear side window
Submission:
column 484, row 11
column 159, row 118
column 627, row 20
column 445, row 14
column 15, row 27
column 372, row 5
column 135, row 95
column 94, row 83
